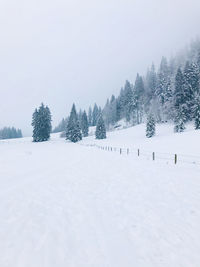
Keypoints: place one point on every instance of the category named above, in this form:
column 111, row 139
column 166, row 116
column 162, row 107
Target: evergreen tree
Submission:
column 179, row 90
column 150, row 126
column 73, row 132
column 138, row 98
column 191, row 87
column 90, row 116
column 95, row 115
column 179, row 121
column 84, row 124
column 41, row 122
column 100, row 128
column 128, row 101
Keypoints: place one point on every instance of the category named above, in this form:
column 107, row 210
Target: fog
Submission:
column 60, row 52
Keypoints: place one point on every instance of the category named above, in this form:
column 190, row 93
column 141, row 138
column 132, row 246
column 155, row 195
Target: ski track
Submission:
column 64, row 205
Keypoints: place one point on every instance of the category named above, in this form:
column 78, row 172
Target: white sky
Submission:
column 66, row 51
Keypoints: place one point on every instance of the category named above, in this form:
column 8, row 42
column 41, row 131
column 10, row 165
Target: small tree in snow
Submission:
column 100, row 128
column 150, row 126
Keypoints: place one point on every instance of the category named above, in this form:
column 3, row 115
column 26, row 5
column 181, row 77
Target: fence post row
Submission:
column 128, row 151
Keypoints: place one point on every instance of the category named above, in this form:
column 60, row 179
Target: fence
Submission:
column 149, row 155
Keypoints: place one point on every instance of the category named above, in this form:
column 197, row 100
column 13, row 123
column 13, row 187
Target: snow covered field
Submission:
column 64, row 204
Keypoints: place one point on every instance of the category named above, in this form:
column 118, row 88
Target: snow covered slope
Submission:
column 165, row 144
column 64, row 204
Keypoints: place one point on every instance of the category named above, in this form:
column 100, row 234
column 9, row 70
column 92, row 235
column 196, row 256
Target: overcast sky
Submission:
column 65, row 51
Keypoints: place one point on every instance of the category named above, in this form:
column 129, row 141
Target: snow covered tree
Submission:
column 150, row 126
column 191, row 87
column 41, row 122
column 84, row 124
column 100, row 132
column 90, row 116
column 95, row 114
column 73, row 131
column 179, row 121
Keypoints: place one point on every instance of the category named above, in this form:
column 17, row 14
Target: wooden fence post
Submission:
column 138, row 152
column 127, row 151
column 175, row 159
column 153, row 155
column 120, row 151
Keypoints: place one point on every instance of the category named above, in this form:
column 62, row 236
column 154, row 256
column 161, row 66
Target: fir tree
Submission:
column 73, row 132
column 100, row 128
column 84, row 124
column 150, row 126
column 95, row 115
column 90, row 116
column 41, row 122
column 179, row 121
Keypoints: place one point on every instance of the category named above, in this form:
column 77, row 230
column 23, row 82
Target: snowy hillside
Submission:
column 65, row 204
column 165, row 144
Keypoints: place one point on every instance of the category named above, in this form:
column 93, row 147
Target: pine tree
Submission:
column 90, row 116
column 138, row 98
column 95, row 115
column 73, row 132
column 41, row 122
column 84, row 124
column 191, row 87
column 150, row 126
column 179, row 121
column 100, row 128
column 35, row 126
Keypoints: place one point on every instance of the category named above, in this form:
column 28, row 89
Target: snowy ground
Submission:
column 64, row 204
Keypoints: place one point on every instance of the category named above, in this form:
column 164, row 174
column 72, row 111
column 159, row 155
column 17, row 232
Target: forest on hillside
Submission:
column 170, row 92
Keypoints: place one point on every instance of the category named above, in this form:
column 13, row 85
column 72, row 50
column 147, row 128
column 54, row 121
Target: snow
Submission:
column 165, row 144
column 65, row 204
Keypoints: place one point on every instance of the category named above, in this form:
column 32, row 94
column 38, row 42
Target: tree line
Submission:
column 74, row 128
column 169, row 94
column 10, row 132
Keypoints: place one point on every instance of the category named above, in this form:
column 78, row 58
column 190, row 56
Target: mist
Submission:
column 60, row 52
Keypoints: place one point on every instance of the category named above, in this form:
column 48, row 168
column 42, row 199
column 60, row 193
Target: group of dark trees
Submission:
column 10, row 132
column 77, row 125
column 73, row 127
